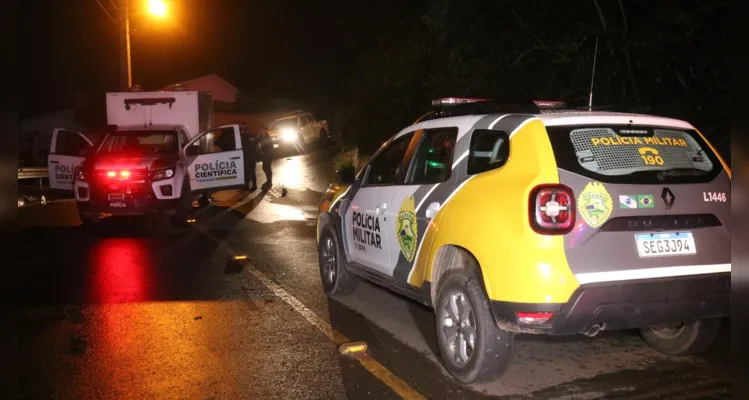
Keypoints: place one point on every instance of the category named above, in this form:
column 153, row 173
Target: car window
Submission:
column 489, row 150
column 434, row 157
column 284, row 122
column 70, row 143
column 387, row 167
column 634, row 154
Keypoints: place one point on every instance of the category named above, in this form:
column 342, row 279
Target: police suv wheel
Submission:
column 336, row 278
column 682, row 339
column 472, row 347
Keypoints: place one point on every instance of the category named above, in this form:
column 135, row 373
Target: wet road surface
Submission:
column 129, row 313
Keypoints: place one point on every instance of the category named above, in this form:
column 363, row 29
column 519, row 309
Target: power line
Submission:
column 106, row 12
column 115, row 7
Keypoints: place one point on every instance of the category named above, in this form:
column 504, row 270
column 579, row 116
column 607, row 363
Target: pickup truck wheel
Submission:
column 185, row 206
column 89, row 222
column 682, row 339
column 471, row 345
column 335, row 276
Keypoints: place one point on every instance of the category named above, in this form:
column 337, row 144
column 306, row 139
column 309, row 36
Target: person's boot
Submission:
column 267, row 185
column 253, row 187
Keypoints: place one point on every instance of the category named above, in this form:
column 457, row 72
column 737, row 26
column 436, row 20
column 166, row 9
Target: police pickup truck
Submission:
column 158, row 155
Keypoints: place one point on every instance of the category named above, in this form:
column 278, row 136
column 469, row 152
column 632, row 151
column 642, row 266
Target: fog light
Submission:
column 166, row 190
column 82, row 193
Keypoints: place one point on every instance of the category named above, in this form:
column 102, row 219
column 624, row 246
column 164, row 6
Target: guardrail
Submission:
column 32, row 173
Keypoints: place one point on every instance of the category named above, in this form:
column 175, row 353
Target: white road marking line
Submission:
column 375, row 368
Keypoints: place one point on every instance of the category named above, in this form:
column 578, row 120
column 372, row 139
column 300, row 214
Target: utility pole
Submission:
column 126, row 73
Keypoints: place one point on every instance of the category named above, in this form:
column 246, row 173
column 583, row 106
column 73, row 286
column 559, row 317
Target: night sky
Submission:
column 372, row 67
column 284, row 48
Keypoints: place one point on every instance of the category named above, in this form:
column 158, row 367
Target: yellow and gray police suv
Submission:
column 538, row 219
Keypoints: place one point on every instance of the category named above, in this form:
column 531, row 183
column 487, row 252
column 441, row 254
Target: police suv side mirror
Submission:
column 346, row 175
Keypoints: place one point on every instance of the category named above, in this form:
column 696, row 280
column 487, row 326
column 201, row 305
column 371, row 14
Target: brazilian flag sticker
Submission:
column 645, row 201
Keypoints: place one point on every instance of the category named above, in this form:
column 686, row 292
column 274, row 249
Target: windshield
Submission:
column 279, row 123
column 621, row 153
column 160, row 142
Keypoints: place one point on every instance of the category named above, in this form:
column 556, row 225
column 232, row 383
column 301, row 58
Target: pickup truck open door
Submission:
column 215, row 160
column 66, row 153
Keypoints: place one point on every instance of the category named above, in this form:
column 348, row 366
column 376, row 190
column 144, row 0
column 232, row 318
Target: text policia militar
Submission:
column 367, row 229
column 624, row 140
column 215, row 169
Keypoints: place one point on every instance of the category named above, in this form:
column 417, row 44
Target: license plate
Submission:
column 117, row 205
column 116, row 197
column 665, row 244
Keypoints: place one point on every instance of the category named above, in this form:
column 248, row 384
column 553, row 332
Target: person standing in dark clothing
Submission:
column 250, row 151
column 266, row 156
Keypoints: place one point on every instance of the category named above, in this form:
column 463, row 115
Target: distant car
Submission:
column 542, row 219
column 298, row 130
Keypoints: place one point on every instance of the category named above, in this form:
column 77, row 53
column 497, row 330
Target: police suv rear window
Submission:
column 635, row 154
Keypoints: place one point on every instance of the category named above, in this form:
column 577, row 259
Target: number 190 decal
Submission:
column 711, row 197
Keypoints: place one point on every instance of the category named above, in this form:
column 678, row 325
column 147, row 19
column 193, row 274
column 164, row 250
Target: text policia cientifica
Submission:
column 367, row 229
column 215, row 169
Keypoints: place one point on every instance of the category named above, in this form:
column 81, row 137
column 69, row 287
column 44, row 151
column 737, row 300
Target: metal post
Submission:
column 126, row 74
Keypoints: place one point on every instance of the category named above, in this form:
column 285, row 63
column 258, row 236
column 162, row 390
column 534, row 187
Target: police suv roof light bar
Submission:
column 455, row 100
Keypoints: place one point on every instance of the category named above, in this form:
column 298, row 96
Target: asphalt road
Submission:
column 130, row 313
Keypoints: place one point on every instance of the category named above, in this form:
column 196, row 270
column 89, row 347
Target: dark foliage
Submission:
column 662, row 57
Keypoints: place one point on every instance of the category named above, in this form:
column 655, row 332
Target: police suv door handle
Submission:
column 54, row 162
column 235, row 158
column 432, row 210
column 382, row 207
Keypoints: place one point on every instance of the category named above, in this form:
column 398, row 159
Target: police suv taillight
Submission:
column 552, row 209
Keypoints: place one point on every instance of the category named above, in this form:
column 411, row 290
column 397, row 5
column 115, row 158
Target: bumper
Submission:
column 141, row 200
column 626, row 305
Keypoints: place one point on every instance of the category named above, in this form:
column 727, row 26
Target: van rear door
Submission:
column 651, row 201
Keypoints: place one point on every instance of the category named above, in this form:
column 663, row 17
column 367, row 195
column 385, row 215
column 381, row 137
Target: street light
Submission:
column 157, row 8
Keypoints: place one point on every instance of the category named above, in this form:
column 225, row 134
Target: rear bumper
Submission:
column 626, row 305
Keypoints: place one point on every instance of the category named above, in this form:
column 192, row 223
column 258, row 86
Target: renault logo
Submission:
column 668, row 198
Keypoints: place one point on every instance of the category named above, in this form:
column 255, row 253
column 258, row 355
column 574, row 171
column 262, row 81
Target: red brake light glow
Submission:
column 534, row 318
column 123, row 174
column 552, row 209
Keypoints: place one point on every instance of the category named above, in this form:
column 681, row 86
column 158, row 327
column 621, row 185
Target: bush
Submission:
column 346, row 158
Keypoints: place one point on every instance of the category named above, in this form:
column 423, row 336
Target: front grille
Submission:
column 661, row 223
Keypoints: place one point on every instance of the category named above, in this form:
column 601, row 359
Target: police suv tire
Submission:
column 339, row 280
column 691, row 338
column 493, row 347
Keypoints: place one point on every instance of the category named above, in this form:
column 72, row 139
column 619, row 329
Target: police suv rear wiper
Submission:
column 662, row 175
